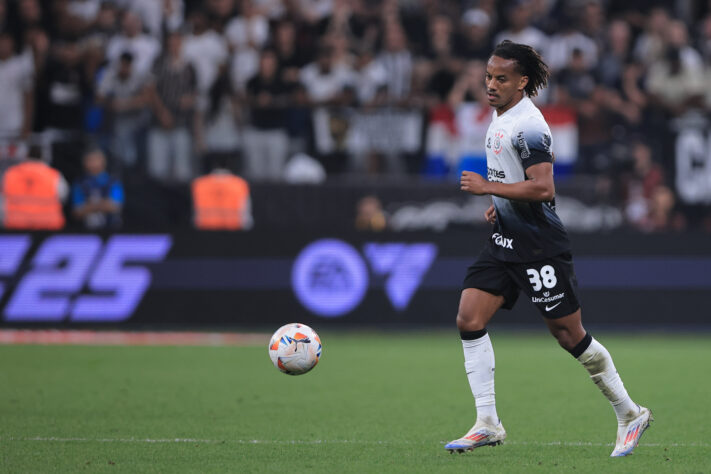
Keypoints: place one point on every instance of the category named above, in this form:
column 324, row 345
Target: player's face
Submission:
column 504, row 84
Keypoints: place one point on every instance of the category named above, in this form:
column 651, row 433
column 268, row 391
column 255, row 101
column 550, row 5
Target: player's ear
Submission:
column 523, row 83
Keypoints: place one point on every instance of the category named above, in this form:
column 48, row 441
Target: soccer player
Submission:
column 528, row 251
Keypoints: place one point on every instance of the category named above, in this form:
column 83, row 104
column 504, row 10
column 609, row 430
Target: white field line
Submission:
column 322, row 441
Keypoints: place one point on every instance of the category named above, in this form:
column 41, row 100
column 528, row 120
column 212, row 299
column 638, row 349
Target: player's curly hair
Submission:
column 529, row 63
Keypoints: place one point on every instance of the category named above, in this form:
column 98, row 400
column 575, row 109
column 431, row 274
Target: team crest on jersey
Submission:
column 498, row 142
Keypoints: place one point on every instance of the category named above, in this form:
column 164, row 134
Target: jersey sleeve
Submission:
column 532, row 141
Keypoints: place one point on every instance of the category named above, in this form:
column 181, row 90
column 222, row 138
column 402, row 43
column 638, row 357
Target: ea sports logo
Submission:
column 329, row 277
column 498, row 142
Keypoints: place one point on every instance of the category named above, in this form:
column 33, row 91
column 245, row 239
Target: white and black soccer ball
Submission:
column 295, row 349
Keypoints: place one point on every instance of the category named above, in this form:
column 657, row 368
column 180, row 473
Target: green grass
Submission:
column 375, row 403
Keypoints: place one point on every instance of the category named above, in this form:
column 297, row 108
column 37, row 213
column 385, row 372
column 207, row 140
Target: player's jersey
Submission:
column 524, row 231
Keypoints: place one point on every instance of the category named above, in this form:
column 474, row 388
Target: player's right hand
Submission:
column 490, row 214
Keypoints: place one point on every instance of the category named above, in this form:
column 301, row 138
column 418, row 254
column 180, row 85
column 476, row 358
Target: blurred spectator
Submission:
column 303, row 169
column 144, row 48
column 678, row 38
column 170, row 141
column 675, row 85
column 97, row 198
column 291, row 57
column 577, row 88
column 266, row 142
column 476, row 40
column 125, row 95
column 97, row 37
column 650, row 45
column 221, row 201
column 159, row 16
column 662, row 215
column 206, row 50
column 249, row 29
column 32, row 195
column 370, row 215
column 63, row 89
column 398, row 63
column 16, row 93
column 520, row 30
column 325, row 82
column 560, row 48
column 371, row 80
column 616, row 54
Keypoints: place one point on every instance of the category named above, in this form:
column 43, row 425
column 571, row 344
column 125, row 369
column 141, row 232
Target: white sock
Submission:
column 598, row 363
column 479, row 364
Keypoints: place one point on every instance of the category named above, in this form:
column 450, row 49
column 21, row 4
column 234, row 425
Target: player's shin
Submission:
column 598, row 362
column 479, row 364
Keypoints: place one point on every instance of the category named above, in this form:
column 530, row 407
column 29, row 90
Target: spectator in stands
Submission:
column 577, row 88
column 97, row 198
column 616, row 55
column 249, row 28
column 176, row 122
column 650, row 45
column 16, row 90
column 144, row 48
column 221, row 201
column 475, row 42
column 98, row 36
column 159, row 16
column 559, row 50
column 398, row 63
column 63, row 89
column 291, row 57
column 266, row 143
column 675, row 85
column 370, row 215
column 32, row 195
column 125, row 95
column 206, row 50
column 520, row 30
column 325, row 83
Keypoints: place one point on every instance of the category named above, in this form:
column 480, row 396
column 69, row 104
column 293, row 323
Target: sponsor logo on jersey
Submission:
column 547, row 299
column 502, row 241
column 495, row 175
column 523, row 150
column 498, row 141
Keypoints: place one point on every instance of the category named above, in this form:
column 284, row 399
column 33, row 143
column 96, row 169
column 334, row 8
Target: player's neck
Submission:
column 510, row 104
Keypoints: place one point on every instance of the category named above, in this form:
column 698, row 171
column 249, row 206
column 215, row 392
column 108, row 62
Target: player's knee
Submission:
column 565, row 338
column 470, row 321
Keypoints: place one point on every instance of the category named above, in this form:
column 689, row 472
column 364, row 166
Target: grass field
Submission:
column 376, row 403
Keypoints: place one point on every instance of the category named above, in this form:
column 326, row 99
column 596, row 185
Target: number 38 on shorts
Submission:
column 550, row 284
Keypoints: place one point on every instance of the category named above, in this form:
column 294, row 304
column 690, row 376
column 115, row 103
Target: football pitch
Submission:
column 377, row 402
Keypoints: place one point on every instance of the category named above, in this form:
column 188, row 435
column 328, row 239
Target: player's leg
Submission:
column 476, row 308
column 487, row 287
column 632, row 419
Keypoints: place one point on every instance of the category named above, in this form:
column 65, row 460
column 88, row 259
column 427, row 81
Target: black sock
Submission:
column 471, row 335
column 582, row 346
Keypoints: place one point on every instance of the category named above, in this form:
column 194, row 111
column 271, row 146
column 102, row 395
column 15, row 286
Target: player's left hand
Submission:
column 472, row 183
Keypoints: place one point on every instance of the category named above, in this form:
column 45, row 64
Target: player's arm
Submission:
column 538, row 187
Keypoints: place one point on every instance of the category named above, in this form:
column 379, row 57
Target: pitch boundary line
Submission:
column 322, row 441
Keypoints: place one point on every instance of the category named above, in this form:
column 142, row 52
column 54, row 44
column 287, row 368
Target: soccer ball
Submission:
column 295, row 349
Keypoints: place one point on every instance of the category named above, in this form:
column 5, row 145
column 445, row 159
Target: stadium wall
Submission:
column 259, row 280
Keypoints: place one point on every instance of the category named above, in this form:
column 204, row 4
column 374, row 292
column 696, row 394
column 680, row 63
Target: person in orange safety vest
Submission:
column 32, row 194
column 221, row 201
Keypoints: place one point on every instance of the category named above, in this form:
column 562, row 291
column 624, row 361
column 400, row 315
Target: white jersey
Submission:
column 524, row 231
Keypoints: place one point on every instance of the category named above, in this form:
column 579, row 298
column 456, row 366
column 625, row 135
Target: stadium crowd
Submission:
column 166, row 88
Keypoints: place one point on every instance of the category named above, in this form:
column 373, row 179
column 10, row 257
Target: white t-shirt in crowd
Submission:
column 206, row 52
column 16, row 79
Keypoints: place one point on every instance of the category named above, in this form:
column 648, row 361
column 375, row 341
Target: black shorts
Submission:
column 550, row 283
